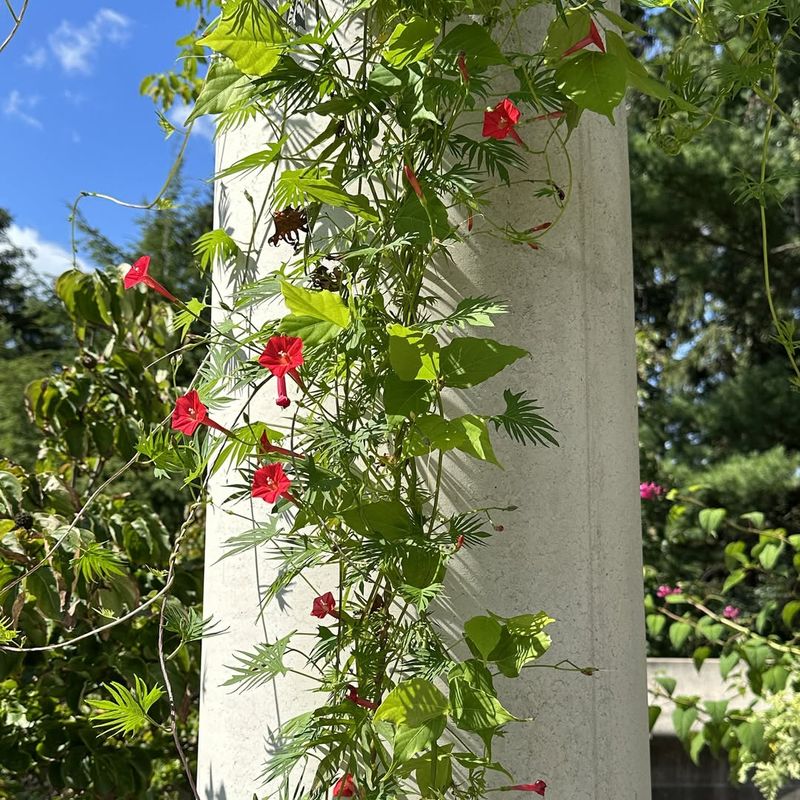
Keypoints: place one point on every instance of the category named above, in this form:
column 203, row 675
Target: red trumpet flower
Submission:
column 282, row 356
column 138, row 273
column 536, row 786
column 593, row 37
column 324, row 605
column 270, row 482
column 499, row 122
column 352, row 695
column 190, row 414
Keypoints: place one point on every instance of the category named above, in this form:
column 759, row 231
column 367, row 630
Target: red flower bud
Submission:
column 345, row 786
column 412, row 179
column 462, row 66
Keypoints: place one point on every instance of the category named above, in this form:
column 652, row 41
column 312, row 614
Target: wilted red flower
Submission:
column 551, row 115
column 190, row 414
column 270, row 482
column 462, row 66
column 536, row 786
column 412, row 179
column 138, row 273
column 459, row 542
column 323, row 605
column 499, row 122
column 353, row 696
column 282, row 356
column 593, row 37
column 345, row 786
column 469, row 221
column 535, row 229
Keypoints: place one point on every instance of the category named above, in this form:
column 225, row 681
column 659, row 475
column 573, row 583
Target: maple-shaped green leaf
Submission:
column 595, row 81
column 224, row 86
column 250, row 34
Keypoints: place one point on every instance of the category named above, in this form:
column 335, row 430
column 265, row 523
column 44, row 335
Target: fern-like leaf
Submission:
column 188, row 624
column 521, row 422
column 127, row 712
column 470, row 311
column 7, row 634
column 257, row 668
column 95, row 563
column 212, row 246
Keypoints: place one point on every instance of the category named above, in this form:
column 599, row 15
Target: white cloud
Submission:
column 37, row 57
column 203, row 126
column 19, row 106
column 74, row 46
column 47, row 258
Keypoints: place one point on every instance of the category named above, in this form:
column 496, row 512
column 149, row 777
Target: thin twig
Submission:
column 17, row 22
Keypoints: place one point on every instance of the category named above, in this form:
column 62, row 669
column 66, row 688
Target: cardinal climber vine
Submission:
column 416, row 142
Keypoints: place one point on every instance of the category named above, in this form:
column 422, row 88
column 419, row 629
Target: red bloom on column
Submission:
column 537, row 786
column 270, row 482
column 462, row 66
column 345, row 786
column 323, row 605
column 593, row 37
column 499, row 122
column 282, row 356
column 412, row 179
column 190, row 414
column 138, row 273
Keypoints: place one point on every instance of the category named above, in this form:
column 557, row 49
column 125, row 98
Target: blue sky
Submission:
column 72, row 118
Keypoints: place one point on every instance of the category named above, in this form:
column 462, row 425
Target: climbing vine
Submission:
column 415, row 143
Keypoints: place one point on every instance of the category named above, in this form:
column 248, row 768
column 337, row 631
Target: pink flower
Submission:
column 323, row 605
column 414, row 183
column 536, row 786
column 138, row 273
column 190, row 414
column 282, row 356
column 593, row 37
column 650, row 491
column 499, row 122
column 731, row 612
column 352, row 695
column 270, row 482
column 345, row 786
column 666, row 591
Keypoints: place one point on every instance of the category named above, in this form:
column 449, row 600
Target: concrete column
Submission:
column 572, row 549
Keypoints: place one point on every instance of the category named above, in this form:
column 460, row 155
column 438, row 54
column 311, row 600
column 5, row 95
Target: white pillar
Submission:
column 572, row 549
